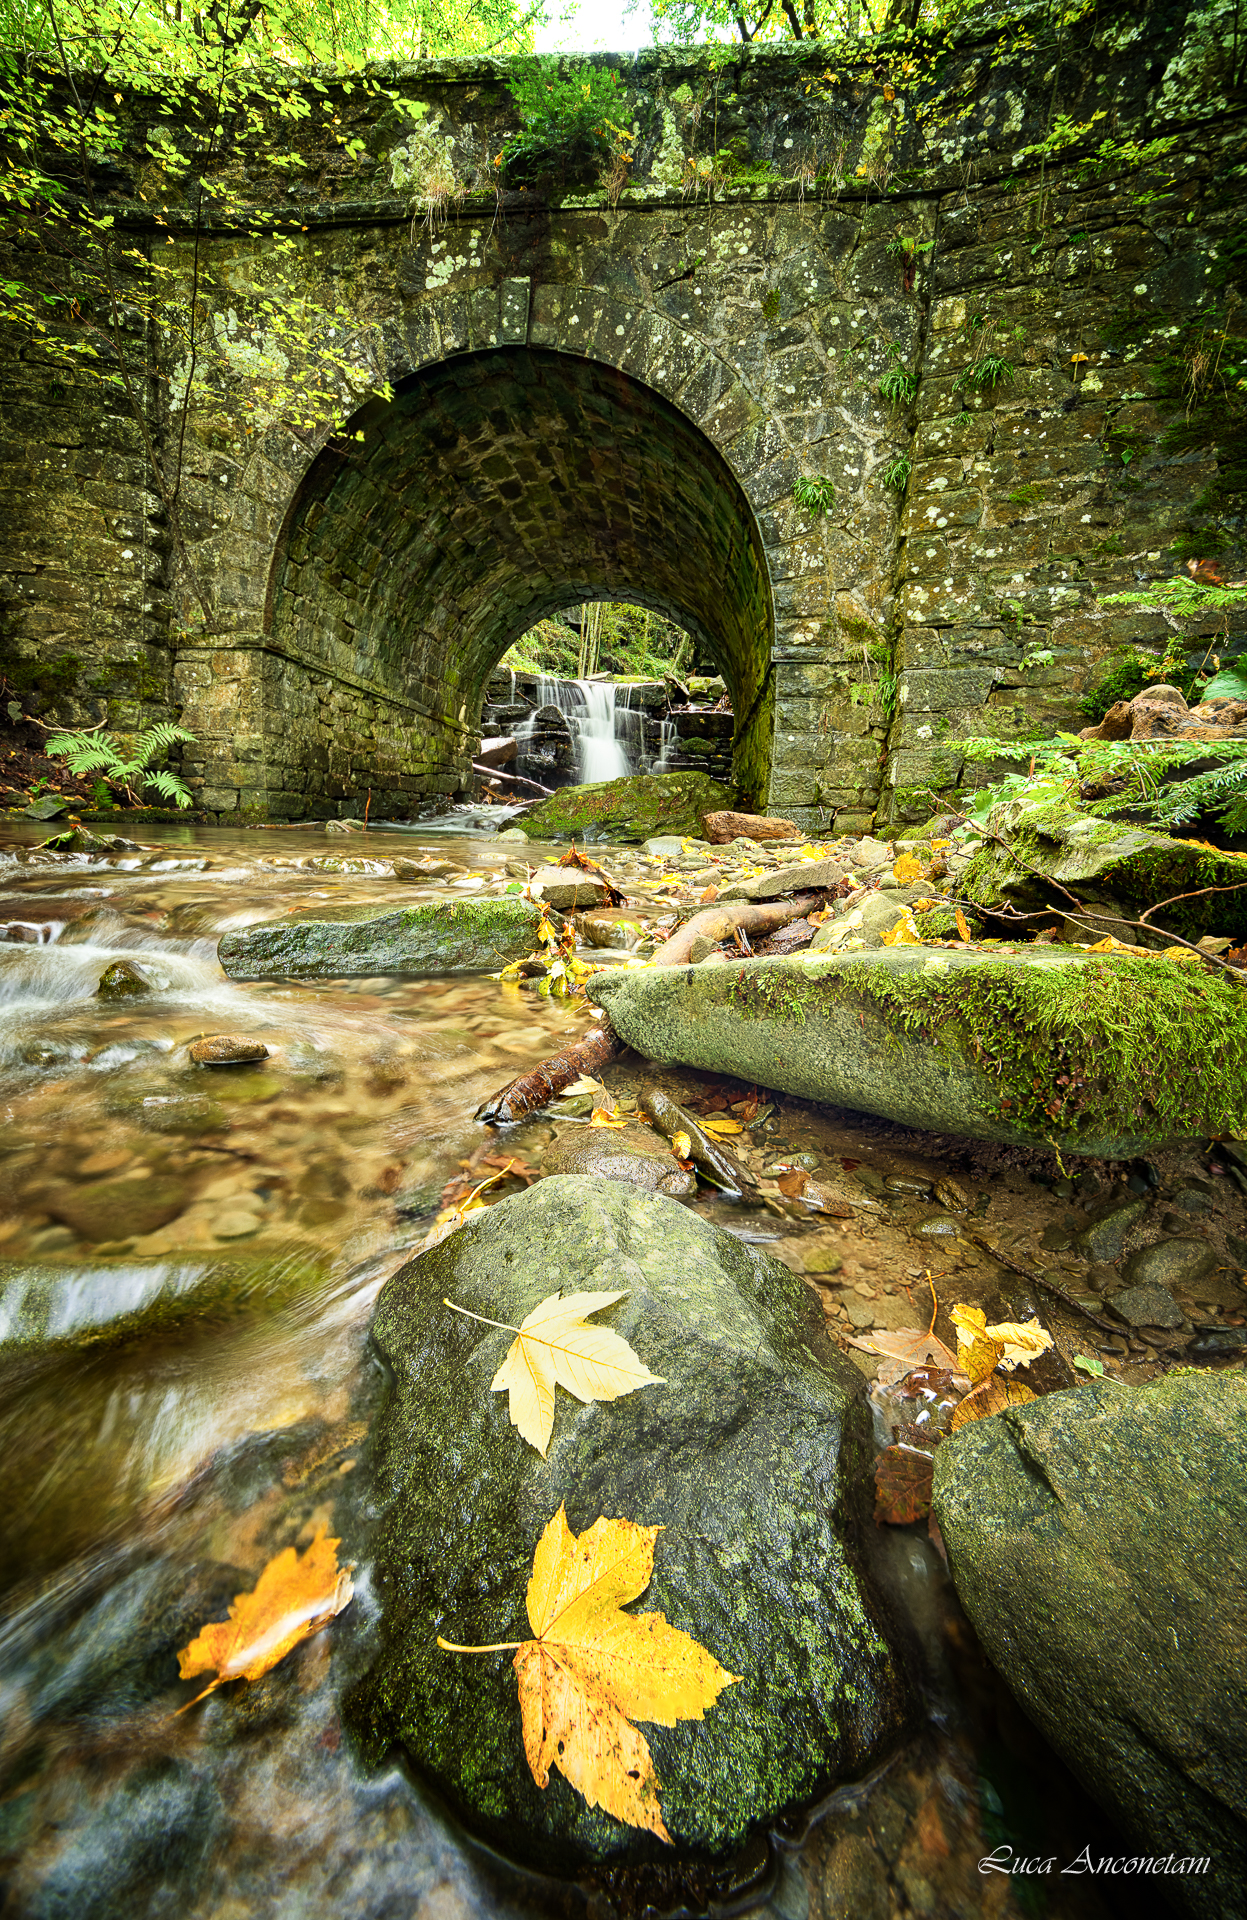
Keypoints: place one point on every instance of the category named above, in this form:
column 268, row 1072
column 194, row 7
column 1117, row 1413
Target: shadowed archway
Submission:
column 495, row 487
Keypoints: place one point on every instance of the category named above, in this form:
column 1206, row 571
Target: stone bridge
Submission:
column 582, row 391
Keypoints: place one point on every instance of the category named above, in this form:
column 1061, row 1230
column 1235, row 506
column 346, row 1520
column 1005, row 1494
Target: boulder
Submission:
column 564, row 888
column 722, row 828
column 435, row 936
column 122, row 980
column 631, row 810
column 1098, row 1541
column 803, row 877
column 1103, row 1054
column 638, row 1157
column 1104, row 861
column 1170, row 1263
column 749, row 1455
column 99, row 1210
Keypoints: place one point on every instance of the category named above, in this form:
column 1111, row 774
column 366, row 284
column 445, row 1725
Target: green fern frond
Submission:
column 157, row 739
column 170, row 786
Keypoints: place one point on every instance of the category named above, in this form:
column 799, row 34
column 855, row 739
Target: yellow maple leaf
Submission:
column 992, row 1395
column 555, row 1345
column 294, row 1597
column 591, row 1668
column 1109, row 945
column 720, row 1123
column 903, row 934
column 977, row 1352
column 1022, row 1340
column 907, row 871
column 603, row 1117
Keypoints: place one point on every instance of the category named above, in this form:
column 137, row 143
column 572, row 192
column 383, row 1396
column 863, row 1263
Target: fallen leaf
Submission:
column 792, row 1183
column 1087, row 1363
column 705, row 899
column 600, row 1117
column 450, row 1219
column 584, row 1083
column 721, row 1123
column 1109, row 945
column 910, row 1344
column 681, row 1147
column 556, row 1344
column 1023, row 1341
column 592, row 1668
column 294, row 1597
column 977, row 1352
column 962, row 927
column 907, row 871
column 903, row 1477
column 903, row 934
column 992, row 1395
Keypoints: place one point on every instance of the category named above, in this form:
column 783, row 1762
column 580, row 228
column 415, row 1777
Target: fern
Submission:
column 1065, row 763
column 124, row 761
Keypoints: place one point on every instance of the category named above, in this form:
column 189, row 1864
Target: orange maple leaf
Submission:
column 294, row 1597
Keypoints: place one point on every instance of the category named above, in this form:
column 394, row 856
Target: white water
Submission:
column 594, row 722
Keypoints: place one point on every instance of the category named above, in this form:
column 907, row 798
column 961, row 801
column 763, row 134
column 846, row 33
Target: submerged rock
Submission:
column 638, row 1157
column 435, row 936
column 1098, row 1541
column 101, row 1210
column 1103, row 1054
column 749, row 1455
column 1170, row 1263
column 632, row 809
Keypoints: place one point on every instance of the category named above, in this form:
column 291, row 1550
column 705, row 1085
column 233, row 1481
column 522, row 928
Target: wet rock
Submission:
column 513, row 834
column 1170, row 1263
column 805, row 877
column 422, row 871
column 436, row 936
column 122, row 980
column 749, row 1457
column 1098, row 1541
column 49, row 1306
column 855, row 1882
column 226, row 1050
column 867, row 855
column 1147, row 1305
column 613, row 927
column 1236, row 1248
column 118, row 1209
column 630, row 810
column 1104, row 1239
column 722, row 828
column 343, row 826
column 47, row 807
column 638, row 1157
column 564, row 888
column 959, row 1041
column 865, row 921
column 952, row 1195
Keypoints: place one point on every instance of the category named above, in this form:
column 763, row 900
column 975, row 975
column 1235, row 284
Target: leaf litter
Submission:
column 295, row 1596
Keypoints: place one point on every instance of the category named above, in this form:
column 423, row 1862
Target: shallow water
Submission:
column 190, row 1257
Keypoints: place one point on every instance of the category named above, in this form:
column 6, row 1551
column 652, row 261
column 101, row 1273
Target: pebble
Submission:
column 1148, row 1306
column 1170, row 1263
column 227, row 1050
column 939, row 1228
column 953, row 1197
column 236, row 1223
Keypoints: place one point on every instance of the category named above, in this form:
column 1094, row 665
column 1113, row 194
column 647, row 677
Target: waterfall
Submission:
column 593, row 720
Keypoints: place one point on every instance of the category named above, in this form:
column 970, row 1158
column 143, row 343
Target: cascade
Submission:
column 589, row 707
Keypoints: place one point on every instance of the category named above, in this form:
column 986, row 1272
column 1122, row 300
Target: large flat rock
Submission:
column 1102, row 1054
column 631, row 810
column 434, row 936
column 1098, row 1541
column 751, row 1456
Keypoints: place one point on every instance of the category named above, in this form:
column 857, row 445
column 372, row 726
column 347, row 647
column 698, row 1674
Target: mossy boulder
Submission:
column 1098, row 1541
column 1104, row 1054
column 1105, row 862
column 629, row 810
column 751, row 1456
column 434, row 936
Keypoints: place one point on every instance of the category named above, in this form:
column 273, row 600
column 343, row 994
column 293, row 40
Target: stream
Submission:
column 189, row 1257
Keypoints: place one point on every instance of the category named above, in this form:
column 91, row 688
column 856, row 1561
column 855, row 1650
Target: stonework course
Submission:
column 577, row 390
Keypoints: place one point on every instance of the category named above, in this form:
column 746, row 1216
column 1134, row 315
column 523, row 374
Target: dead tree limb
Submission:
column 546, row 1081
column 720, row 923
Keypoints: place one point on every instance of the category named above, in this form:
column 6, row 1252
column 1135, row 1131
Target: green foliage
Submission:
column 771, row 306
column 898, row 386
column 633, row 643
column 989, row 370
column 572, row 118
column 896, row 473
column 125, row 761
column 1112, row 777
column 814, row 492
column 1127, row 674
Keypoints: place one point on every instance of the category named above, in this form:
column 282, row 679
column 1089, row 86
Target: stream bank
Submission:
column 160, row 1456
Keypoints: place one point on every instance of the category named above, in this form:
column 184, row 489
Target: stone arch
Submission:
column 501, row 482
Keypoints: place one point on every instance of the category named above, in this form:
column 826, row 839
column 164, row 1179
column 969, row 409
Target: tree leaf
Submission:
column 591, row 1666
column 916, row 1348
column 1022, row 1340
column 962, row 927
column 992, row 1395
column 903, row 1477
column 977, row 1352
column 907, row 871
column 294, row 1597
column 555, row 1345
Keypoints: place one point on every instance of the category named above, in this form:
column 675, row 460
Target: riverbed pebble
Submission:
column 227, row 1050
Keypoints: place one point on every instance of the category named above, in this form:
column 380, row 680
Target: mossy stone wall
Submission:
column 615, row 394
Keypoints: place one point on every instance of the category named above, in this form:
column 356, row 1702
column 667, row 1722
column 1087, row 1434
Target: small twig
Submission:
column 1173, row 899
column 1039, row 1280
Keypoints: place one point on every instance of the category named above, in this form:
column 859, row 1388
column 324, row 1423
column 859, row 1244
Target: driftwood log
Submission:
column 720, row 923
column 718, row 1162
column 546, row 1081
column 503, row 774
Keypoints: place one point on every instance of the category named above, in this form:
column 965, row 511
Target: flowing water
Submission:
column 599, row 728
column 189, row 1259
